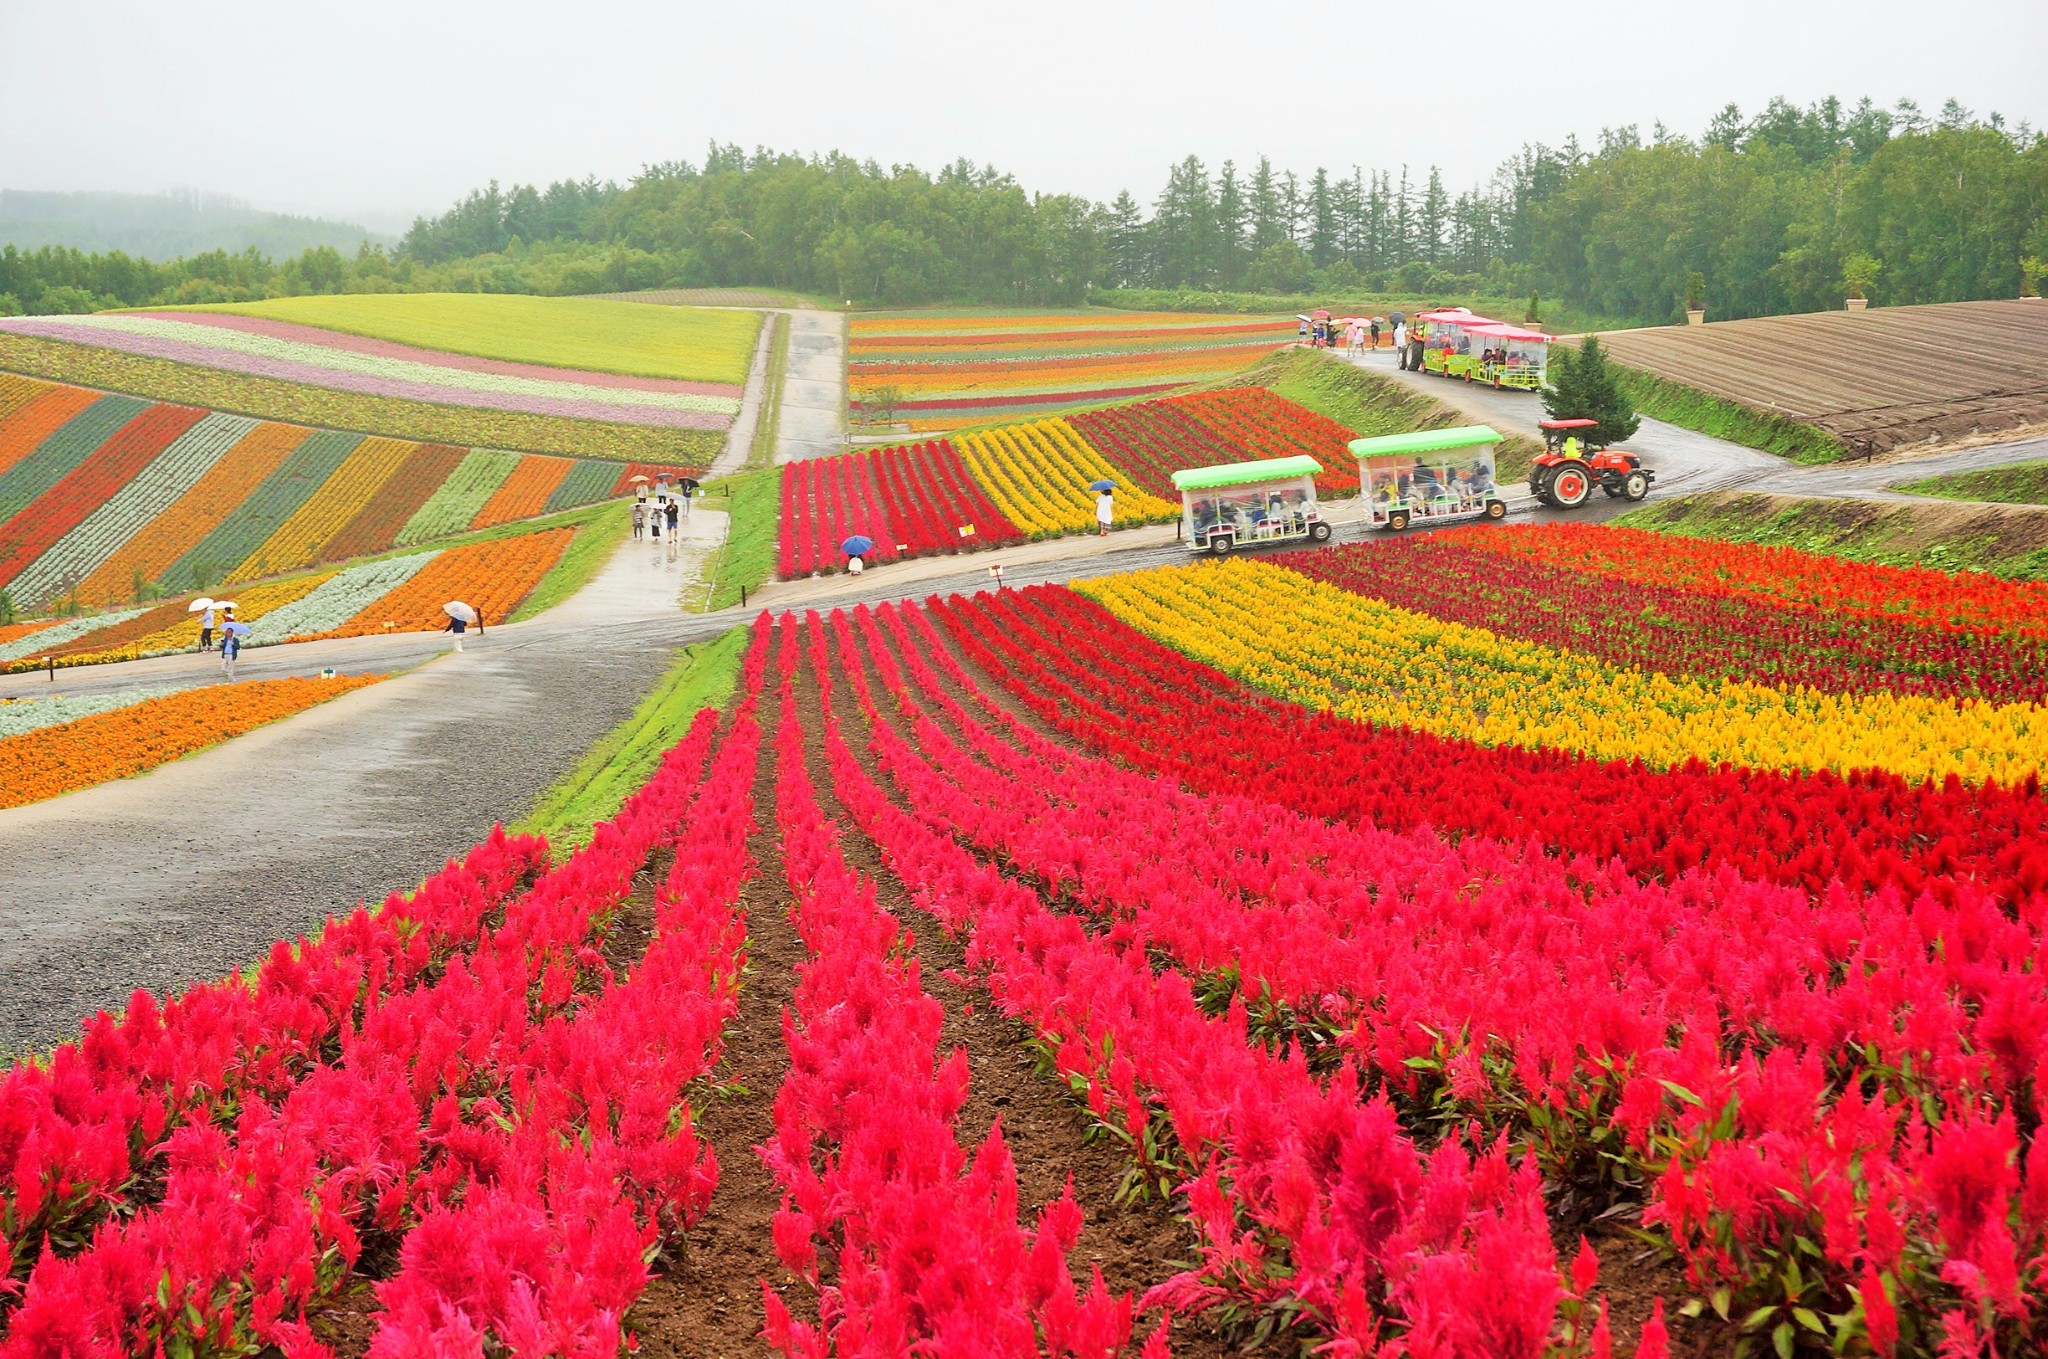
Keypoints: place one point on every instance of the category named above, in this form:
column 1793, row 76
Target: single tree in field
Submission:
column 1582, row 387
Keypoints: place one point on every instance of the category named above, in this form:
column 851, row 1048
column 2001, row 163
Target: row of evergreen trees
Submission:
column 1781, row 211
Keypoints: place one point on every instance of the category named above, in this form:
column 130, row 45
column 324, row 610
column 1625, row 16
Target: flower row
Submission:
column 314, row 364
column 1371, row 662
column 1679, row 629
column 911, row 500
column 121, row 491
column 399, row 418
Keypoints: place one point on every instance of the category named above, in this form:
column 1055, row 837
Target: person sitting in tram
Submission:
column 1422, row 478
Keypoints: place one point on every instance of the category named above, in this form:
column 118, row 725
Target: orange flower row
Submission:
column 525, row 493
column 38, row 418
column 127, row 741
column 490, row 577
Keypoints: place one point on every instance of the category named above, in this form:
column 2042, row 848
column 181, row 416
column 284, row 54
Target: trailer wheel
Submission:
column 1636, row 484
column 1319, row 532
column 1570, row 487
column 1219, row 544
column 1496, row 509
column 1398, row 520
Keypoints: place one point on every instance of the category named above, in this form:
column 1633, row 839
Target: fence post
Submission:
column 50, row 663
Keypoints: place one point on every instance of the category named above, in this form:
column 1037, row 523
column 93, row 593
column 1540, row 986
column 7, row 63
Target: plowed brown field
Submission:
column 1874, row 379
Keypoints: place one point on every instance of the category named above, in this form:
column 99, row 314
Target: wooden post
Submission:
column 50, row 663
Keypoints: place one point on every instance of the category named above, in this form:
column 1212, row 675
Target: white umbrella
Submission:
column 455, row 608
column 639, row 480
column 223, row 603
column 200, row 603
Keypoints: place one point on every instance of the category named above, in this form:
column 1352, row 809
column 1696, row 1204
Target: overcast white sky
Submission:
column 382, row 108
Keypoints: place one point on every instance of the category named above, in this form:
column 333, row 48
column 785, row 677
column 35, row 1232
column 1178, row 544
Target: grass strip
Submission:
column 751, row 501
column 762, row 454
column 2023, row 483
column 585, row 556
column 622, row 760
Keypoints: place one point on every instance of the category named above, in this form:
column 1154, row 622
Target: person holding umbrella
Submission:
column 855, row 548
column 639, row 519
column 1105, row 505
column 231, row 646
column 204, row 608
column 460, row 616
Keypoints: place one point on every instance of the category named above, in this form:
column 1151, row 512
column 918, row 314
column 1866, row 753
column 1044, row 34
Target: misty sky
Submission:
column 378, row 110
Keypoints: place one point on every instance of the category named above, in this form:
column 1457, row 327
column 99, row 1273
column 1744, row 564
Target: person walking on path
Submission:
column 206, row 629
column 1401, row 345
column 675, row 514
column 639, row 519
column 1105, row 511
column 458, row 625
column 230, row 652
column 1375, row 333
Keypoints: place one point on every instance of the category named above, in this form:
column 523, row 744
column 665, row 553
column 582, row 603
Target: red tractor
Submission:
column 1567, row 471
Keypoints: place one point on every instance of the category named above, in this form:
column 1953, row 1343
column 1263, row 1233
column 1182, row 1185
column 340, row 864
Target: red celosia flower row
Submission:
column 1679, row 629
column 924, row 1246
column 1152, row 440
column 1119, row 692
column 910, row 501
column 1309, row 1198
column 509, row 1103
column 1968, row 600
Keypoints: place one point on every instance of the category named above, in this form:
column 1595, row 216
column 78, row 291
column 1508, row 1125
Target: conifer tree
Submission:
column 1582, row 387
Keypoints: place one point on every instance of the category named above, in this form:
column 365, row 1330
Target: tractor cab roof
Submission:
column 1566, row 424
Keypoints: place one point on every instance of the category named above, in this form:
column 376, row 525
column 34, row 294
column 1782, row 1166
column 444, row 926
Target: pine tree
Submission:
column 1436, row 211
column 1582, row 387
column 1269, row 222
column 1231, row 220
column 1322, row 219
column 1126, row 241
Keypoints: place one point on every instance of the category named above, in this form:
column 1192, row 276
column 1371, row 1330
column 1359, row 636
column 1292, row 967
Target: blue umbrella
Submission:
column 859, row 545
column 238, row 629
column 1105, row 484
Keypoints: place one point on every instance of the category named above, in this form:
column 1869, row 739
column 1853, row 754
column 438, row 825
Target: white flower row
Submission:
column 70, row 631
column 336, row 600
column 169, row 475
column 406, row 370
column 24, row 715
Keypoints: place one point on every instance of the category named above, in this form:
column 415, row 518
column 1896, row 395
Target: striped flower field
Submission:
column 1030, row 479
column 99, row 492
column 955, row 370
column 314, row 357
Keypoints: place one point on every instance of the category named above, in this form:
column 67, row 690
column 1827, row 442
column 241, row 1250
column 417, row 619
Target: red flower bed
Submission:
column 1119, row 692
column 1965, row 600
column 1154, row 439
column 1680, row 630
column 911, row 500
column 115, row 463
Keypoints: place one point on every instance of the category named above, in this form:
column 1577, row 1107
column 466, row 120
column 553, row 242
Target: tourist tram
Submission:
column 1432, row 476
column 1463, row 344
column 1234, row 504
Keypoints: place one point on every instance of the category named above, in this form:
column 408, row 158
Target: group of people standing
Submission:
column 648, row 516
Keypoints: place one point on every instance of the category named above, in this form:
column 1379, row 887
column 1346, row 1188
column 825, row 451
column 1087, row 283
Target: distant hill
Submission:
column 165, row 226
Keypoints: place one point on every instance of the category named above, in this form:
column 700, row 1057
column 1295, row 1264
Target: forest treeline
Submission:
column 1785, row 210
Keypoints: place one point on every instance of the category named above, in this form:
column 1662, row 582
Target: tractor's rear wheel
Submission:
column 1570, row 487
column 1635, row 485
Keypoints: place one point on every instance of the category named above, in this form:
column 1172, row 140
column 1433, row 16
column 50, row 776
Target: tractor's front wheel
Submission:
column 1635, row 485
column 1570, row 487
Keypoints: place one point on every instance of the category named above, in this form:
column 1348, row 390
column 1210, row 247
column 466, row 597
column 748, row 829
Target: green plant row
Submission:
column 2024, row 483
column 701, row 677
column 752, row 501
column 294, row 403
column 1690, row 408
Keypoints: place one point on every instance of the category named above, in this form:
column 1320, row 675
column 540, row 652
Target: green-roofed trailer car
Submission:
column 1229, row 506
column 1429, row 475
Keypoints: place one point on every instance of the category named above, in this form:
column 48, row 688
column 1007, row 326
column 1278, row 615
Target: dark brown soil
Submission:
column 708, row 1304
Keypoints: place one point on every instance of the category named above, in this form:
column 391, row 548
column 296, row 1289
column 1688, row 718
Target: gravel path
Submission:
column 812, row 420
